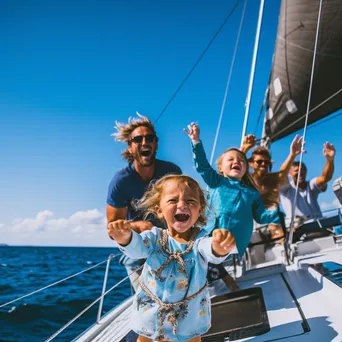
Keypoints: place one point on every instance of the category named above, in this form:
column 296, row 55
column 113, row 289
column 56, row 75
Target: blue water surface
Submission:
column 36, row 318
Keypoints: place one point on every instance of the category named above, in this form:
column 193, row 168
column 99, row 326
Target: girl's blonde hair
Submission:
column 247, row 177
column 124, row 132
column 152, row 197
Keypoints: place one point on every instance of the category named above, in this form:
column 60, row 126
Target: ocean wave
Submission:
column 6, row 289
column 43, row 313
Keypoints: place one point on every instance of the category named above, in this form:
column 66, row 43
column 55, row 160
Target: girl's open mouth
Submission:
column 182, row 217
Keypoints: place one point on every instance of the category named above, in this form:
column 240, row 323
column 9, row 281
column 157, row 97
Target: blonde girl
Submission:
column 173, row 290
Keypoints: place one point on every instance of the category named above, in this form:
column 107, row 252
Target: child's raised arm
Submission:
column 209, row 175
column 193, row 132
column 223, row 242
column 120, row 231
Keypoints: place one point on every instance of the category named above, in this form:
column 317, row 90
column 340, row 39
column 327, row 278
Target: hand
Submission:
column 249, row 141
column 296, row 146
column 223, row 242
column 193, row 132
column 120, row 231
column 141, row 226
column 329, row 151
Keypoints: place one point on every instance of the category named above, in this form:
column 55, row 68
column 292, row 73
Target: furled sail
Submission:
column 291, row 71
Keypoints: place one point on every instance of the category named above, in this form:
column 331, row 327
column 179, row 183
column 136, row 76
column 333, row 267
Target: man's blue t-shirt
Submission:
column 127, row 186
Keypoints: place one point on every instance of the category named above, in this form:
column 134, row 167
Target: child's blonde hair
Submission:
column 247, row 177
column 124, row 132
column 152, row 197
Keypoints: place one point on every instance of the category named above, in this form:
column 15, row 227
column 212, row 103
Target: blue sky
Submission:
column 70, row 69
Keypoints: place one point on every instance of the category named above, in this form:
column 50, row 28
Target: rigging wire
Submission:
column 327, row 119
column 304, row 115
column 90, row 306
column 315, row 124
column 228, row 83
column 252, row 73
column 197, row 61
column 57, row 282
column 306, row 124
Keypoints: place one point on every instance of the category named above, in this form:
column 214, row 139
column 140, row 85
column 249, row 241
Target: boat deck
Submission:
column 318, row 298
column 301, row 304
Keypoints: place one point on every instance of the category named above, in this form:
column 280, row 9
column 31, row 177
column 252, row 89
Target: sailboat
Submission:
column 295, row 291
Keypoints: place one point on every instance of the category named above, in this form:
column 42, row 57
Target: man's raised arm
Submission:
column 248, row 142
column 328, row 170
column 295, row 149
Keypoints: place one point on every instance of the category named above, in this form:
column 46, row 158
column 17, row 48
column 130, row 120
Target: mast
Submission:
column 251, row 78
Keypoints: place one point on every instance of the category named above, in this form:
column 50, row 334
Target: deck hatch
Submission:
column 238, row 315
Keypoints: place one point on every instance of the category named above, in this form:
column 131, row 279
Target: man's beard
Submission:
column 137, row 157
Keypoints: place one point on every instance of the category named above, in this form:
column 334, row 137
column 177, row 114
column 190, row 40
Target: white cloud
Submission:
column 83, row 228
column 330, row 205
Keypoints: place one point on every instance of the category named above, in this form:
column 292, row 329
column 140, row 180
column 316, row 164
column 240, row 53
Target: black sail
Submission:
column 290, row 77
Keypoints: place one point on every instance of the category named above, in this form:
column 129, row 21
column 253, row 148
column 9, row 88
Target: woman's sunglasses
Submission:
column 149, row 138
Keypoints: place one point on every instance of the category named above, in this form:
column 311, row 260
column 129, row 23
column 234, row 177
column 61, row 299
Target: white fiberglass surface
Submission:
column 319, row 299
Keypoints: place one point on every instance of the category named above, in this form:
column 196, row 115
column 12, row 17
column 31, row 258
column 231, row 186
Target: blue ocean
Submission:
column 37, row 317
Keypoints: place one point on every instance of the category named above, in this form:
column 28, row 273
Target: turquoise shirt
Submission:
column 233, row 203
column 194, row 317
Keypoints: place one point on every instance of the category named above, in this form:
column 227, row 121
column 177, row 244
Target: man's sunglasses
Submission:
column 149, row 138
column 261, row 161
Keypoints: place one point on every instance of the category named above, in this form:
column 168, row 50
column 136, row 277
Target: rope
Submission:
column 88, row 307
column 57, row 282
column 305, row 125
column 227, row 85
column 169, row 308
column 177, row 256
column 197, row 61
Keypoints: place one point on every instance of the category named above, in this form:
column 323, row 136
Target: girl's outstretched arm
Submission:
column 136, row 246
column 209, row 175
column 120, row 231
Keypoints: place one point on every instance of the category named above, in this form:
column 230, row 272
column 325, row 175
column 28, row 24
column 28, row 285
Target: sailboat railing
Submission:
column 104, row 287
column 86, row 309
column 92, row 304
column 55, row 283
column 99, row 299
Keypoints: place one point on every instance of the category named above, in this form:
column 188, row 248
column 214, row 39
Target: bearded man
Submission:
column 130, row 183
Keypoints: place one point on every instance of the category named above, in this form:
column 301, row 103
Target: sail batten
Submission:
column 290, row 77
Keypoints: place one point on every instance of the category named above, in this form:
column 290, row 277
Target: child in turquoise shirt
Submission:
column 233, row 194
